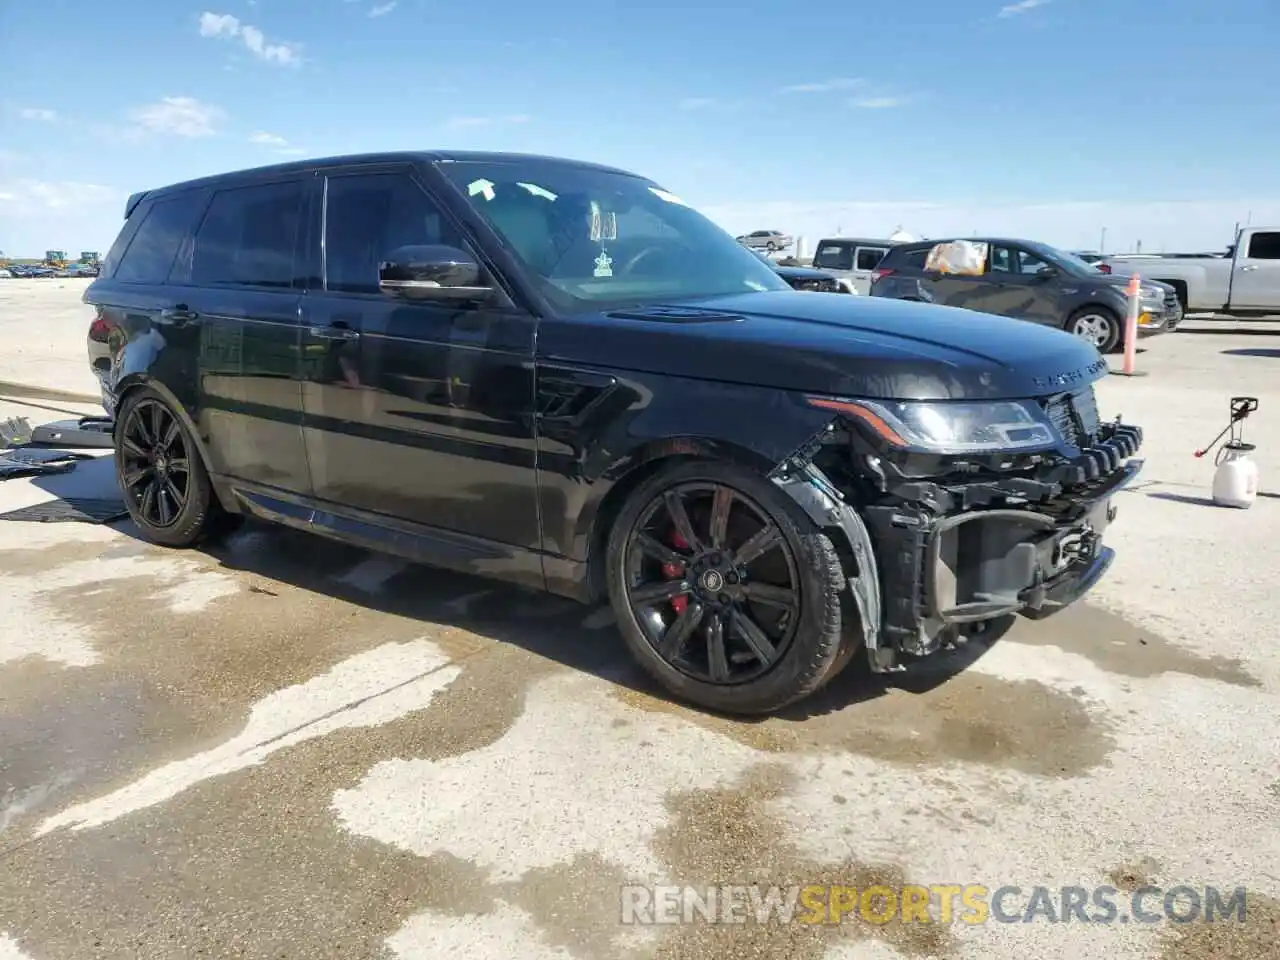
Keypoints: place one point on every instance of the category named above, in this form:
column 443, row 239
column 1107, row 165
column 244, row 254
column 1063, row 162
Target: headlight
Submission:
column 1153, row 293
column 942, row 426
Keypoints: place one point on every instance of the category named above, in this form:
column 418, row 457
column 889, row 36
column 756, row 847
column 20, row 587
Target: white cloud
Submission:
column 697, row 103
column 1013, row 9
column 277, row 143
column 180, row 116
column 382, row 9
column 223, row 26
column 878, row 103
column 825, row 86
column 31, row 196
column 38, row 113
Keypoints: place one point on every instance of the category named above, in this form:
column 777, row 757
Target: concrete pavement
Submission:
column 285, row 747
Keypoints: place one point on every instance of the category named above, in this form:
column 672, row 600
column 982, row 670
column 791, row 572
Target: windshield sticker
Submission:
column 604, row 265
column 537, row 191
column 604, row 226
column 669, row 197
column 480, row 186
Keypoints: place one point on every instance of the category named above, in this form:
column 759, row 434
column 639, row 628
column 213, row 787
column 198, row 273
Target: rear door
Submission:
column 246, row 274
column 1255, row 284
column 981, row 293
column 865, row 260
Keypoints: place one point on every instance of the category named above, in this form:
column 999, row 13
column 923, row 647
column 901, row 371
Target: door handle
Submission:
column 1246, row 269
column 335, row 333
column 178, row 315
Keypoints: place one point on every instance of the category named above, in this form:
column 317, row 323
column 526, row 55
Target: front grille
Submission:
column 1172, row 309
column 1075, row 416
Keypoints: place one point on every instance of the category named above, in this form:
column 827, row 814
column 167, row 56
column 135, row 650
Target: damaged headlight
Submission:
column 948, row 427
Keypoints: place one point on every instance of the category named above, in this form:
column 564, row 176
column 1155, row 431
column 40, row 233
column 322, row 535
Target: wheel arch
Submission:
column 134, row 382
column 628, row 472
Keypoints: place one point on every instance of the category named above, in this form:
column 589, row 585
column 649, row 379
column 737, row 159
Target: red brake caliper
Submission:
column 674, row 571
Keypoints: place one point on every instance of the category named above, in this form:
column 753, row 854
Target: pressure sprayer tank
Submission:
column 1235, row 484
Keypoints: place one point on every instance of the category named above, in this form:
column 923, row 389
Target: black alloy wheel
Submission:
column 713, row 583
column 155, row 464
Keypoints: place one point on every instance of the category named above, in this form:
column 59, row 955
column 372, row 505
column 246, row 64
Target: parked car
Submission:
column 1031, row 281
column 805, row 278
column 851, row 259
column 771, row 240
column 1243, row 282
column 5, row 274
column 558, row 374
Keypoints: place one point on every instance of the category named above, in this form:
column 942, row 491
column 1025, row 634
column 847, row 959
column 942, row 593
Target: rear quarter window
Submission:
column 165, row 226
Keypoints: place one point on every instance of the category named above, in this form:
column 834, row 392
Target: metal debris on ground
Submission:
column 81, row 432
column 14, row 431
column 37, row 462
column 70, row 510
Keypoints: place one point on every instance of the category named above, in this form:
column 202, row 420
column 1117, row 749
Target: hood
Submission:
column 801, row 273
column 842, row 346
column 1122, row 281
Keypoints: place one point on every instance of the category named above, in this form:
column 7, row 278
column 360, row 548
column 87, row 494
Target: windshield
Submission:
column 593, row 238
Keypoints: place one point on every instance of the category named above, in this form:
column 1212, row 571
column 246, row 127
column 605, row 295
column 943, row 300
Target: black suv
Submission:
column 1031, row 281
column 559, row 374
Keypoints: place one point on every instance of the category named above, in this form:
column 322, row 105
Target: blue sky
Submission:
column 1156, row 119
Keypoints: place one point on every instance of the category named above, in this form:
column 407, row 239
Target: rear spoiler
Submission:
column 132, row 203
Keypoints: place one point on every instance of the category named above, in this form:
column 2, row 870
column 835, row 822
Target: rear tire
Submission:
column 162, row 477
column 1096, row 325
column 716, row 621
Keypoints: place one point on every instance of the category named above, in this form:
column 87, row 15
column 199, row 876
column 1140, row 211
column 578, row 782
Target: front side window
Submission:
column 1029, row 264
column 590, row 237
column 369, row 216
column 249, row 237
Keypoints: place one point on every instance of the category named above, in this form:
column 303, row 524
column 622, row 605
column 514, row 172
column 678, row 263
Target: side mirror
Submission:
column 1046, row 273
column 432, row 272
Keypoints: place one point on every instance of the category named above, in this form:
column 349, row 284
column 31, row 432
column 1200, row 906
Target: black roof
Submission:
column 402, row 156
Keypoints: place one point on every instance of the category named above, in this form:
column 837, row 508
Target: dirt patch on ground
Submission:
column 722, row 837
column 1256, row 938
column 969, row 717
column 1134, row 876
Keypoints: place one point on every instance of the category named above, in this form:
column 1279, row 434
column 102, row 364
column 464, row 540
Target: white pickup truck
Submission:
column 1243, row 282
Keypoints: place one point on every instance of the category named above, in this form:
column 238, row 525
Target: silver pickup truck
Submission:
column 1243, row 282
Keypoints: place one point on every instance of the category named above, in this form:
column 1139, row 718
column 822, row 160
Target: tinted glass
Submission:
column 1000, row 260
column 249, row 236
column 1029, row 264
column 914, row 259
column 589, row 236
column 834, row 256
column 369, row 216
column 1265, row 246
column 150, row 255
column 869, row 257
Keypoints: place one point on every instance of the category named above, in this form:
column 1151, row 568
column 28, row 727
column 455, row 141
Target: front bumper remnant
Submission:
column 935, row 557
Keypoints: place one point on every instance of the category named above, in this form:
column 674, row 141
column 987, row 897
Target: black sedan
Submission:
column 806, row 278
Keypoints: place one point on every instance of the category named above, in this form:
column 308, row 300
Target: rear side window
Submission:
column 869, row 257
column 834, row 256
column 249, row 237
column 1264, row 246
column 908, row 259
column 151, row 253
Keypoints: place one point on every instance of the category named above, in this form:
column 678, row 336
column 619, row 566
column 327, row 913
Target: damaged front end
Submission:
column 950, row 515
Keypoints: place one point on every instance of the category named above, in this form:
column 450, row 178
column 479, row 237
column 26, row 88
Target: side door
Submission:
column 865, row 260
column 245, row 274
column 1255, row 282
column 1030, row 290
column 421, row 411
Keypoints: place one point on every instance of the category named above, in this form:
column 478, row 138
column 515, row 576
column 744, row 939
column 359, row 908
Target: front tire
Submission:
column 1095, row 325
column 724, row 592
column 162, row 477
